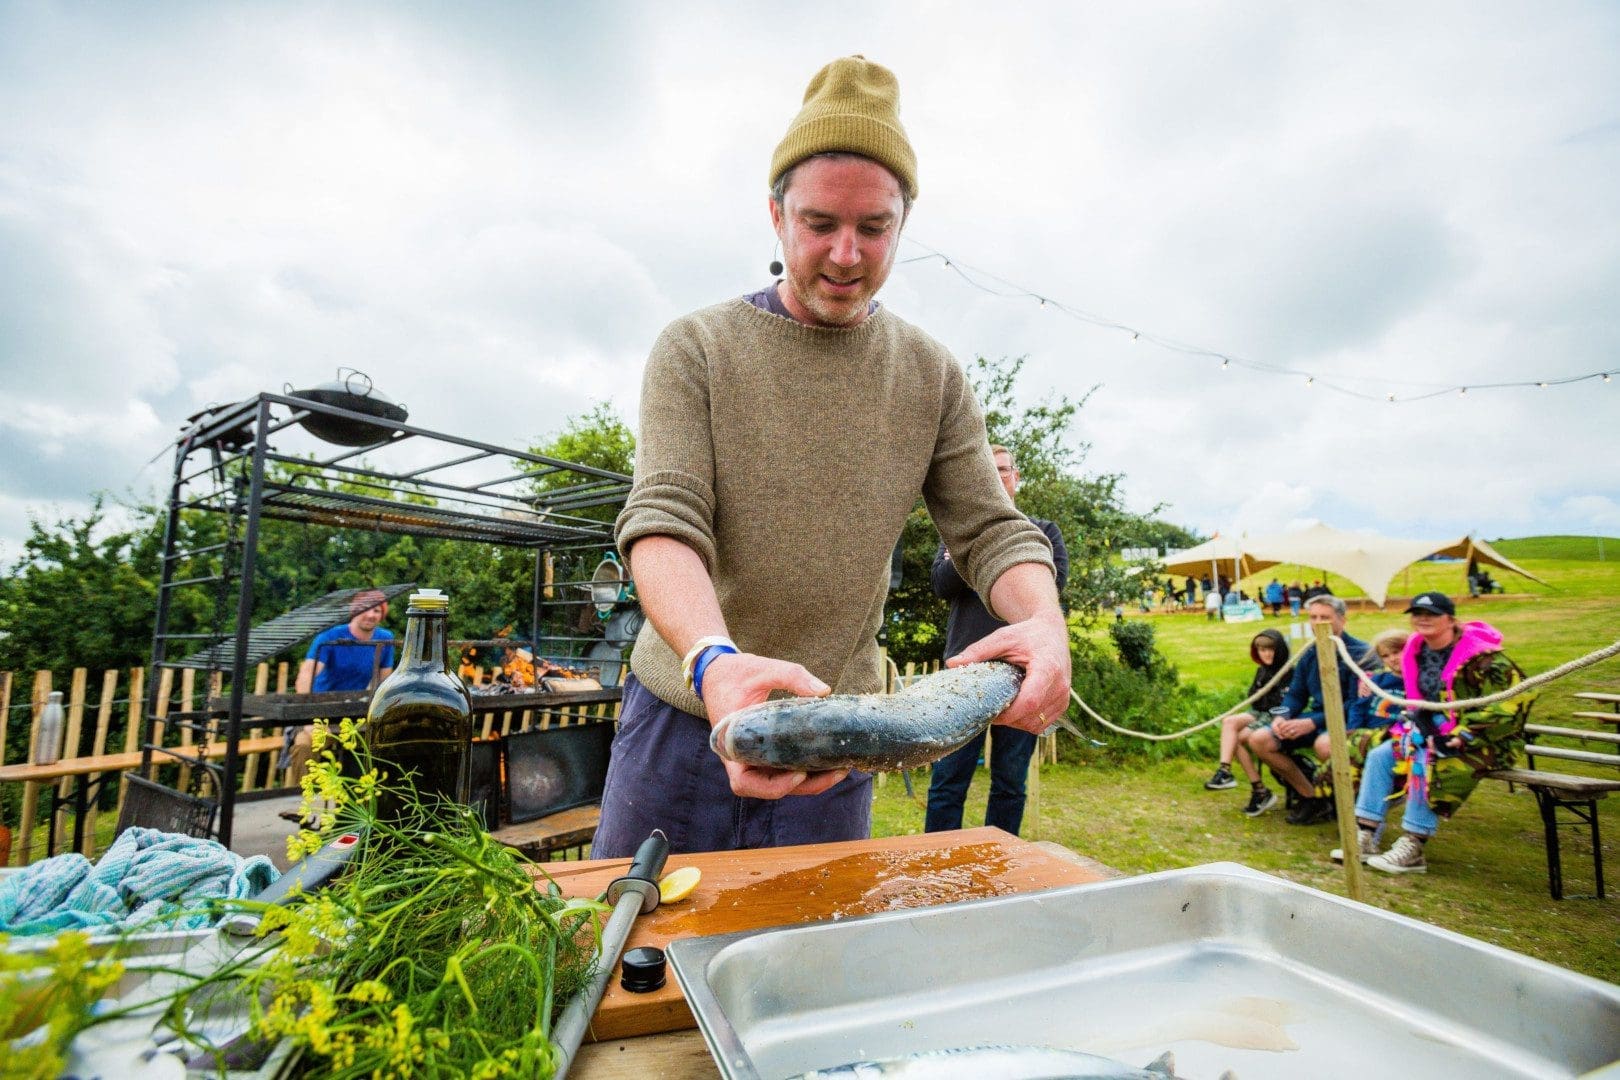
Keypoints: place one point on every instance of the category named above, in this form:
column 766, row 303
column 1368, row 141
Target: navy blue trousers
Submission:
column 1010, row 751
column 662, row 775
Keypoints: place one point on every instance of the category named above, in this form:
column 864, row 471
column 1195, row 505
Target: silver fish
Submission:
column 874, row 732
column 1000, row 1063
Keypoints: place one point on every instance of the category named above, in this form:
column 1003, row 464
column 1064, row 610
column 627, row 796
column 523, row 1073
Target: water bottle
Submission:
column 48, row 744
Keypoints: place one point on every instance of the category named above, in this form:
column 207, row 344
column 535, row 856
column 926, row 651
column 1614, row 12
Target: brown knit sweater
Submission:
column 788, row 456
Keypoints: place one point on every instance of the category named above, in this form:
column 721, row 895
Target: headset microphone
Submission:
column 775, row 268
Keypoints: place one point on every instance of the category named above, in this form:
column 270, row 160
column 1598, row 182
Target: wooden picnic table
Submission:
column 81, row 766
column 88, row 772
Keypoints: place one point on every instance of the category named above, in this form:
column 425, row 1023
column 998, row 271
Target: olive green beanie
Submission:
column 852, row 105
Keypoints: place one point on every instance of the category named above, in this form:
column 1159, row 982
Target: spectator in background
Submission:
column 1010, row 748
column 1305, row 715
column 1212, row 604
column 1443, row 753
column 1276, row 595
column 1204, row 584
column 1368, row 718
column 1316, row 589
column 1192, row 592
column 338, row 660
column 1269, row 652
column 1296, row 597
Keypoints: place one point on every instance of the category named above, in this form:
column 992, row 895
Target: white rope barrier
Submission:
column 1522, row 687
column 1233, row 711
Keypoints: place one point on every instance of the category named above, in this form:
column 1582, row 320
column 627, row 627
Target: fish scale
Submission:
column 872, row 732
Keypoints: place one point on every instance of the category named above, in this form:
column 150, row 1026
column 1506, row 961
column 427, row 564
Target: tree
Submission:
column 1088, row 509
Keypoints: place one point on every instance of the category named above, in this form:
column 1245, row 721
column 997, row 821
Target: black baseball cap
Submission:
column 1431, row 603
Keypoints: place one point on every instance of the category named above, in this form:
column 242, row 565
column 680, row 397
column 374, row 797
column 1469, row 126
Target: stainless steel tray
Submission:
column 1227, row 967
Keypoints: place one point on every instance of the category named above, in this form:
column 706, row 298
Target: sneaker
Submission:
column 1406, row 857
column 1221, row 781
column 1369, row 846
column 1312, row 811
column 1260, row 801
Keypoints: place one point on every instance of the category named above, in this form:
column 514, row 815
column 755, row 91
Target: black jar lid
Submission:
column 643, row 970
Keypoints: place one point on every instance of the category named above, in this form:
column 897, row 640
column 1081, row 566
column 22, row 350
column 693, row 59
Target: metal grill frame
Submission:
column 221, row 466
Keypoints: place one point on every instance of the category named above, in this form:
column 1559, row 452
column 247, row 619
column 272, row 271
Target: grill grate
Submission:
column 284, row 631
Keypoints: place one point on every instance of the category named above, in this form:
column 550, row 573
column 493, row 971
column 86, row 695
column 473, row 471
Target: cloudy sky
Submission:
column 493, row 208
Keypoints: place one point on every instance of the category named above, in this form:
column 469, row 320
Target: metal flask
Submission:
column 48, row 743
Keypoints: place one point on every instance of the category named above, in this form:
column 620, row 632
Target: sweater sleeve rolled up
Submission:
column 673, row 491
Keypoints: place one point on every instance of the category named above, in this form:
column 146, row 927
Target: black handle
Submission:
column 648, row 865
column 642, row 877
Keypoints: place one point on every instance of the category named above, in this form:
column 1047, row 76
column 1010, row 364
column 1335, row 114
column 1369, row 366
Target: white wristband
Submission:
column 696, row 650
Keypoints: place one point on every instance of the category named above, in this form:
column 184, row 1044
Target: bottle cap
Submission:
column 643, row 970
column 429, row 600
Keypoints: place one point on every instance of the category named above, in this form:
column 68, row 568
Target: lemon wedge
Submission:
column 677, row 885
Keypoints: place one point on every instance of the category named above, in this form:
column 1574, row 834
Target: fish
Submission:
column 1001, row 1063
column 872, row 732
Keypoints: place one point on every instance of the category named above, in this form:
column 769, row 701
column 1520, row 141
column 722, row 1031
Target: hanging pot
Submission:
column 352, row 390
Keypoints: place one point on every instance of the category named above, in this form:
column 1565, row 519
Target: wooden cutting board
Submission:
column 747, row 890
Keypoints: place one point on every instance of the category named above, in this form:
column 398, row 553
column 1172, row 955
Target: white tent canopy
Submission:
column 1369, row 560
column 1215, row 557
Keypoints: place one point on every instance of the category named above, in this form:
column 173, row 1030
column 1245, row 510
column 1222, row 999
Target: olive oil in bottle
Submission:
column 420, row 724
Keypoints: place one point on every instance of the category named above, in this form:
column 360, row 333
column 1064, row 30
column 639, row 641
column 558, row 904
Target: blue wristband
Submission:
column 702, row 665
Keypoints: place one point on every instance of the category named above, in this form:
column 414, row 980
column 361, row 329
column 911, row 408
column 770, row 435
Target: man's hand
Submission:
column 1039, row 645
column 1292, row 729
column 735, row 681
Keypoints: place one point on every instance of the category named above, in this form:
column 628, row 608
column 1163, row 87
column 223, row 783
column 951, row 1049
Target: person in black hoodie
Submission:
column 1269, row 651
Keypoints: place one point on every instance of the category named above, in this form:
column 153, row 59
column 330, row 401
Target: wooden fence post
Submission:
column 250, row 764
column 109, row 687
column 1327, row 661
column 30, row 804
column 134, row 722
column 70, row 749
column 188, row 691
column 5, row 720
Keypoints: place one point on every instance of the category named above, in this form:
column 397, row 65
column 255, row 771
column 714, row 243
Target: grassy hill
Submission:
column 1588, row 548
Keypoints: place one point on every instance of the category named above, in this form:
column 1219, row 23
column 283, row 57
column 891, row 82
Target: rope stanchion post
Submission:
column 1327, row 661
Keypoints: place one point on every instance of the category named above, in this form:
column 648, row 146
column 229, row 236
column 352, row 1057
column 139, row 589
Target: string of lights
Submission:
column 1411, row 390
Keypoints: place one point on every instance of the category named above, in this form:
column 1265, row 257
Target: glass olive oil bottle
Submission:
column 420, row 725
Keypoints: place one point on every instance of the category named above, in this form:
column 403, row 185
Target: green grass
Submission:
column 1487, row 868
column 1560, row 547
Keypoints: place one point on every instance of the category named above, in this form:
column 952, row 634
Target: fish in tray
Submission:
column 1001, row 1063
column 874, row 732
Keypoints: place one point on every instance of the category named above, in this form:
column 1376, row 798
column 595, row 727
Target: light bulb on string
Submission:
column 1133, row 335
column 1225, row 363
column 1462, row 392
column 1392, row 399
column 1541, row 385
column 1310, row 380
column 1605, row 376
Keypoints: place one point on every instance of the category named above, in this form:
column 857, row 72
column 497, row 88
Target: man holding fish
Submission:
column 784, row 438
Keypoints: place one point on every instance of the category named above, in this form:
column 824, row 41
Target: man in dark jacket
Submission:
column 1010, row 748
column 1306, row 715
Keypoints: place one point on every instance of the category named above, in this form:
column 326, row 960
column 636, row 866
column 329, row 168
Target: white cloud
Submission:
column 493, row 211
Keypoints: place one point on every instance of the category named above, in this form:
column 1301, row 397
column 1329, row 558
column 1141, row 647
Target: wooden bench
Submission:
column 1564, row 753
column 542, row 838
column 1600, row 717
column 1557, row 791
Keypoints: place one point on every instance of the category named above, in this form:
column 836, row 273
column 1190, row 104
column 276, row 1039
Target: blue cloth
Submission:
column 146, row 877
column 1275, row 593
column 662, row 775
column 1372, row 711
column 1378, row 784
column 1010, row 751
column 1304, row 697
column 347, row 667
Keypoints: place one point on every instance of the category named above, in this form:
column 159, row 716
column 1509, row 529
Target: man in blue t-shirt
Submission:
column 342, row 658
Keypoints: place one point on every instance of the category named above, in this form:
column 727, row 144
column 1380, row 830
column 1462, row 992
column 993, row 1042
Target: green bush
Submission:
column 1134, row 640
column 1145, row 695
